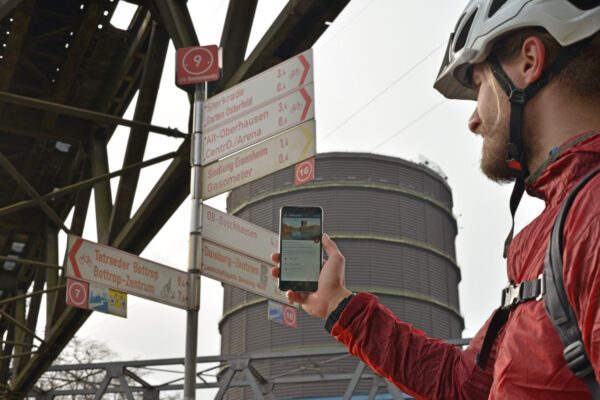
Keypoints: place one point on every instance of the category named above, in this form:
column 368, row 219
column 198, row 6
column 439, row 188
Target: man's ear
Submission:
column 532, row 60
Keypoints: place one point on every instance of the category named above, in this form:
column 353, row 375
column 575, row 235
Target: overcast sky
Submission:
column 374, row 70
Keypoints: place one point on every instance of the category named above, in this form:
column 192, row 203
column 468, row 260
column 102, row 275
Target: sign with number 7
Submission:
column 77, row 293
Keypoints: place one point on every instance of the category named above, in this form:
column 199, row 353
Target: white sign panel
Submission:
column 126, row 272
column 282, row 151
column 240, row 271
column 262, row 88
column 238, row 234
column 257, row 125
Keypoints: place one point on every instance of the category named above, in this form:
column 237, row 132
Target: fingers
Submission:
column 275, row 257
column 297, row 297
column 330, row 247
column 275, row 272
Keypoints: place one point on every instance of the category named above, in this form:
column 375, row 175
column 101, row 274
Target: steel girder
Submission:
column 235, row 371
column 87, row 85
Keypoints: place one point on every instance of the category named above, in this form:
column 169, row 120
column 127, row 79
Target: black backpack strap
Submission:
column 557, row 304
column 515, row 294
column 512, row 296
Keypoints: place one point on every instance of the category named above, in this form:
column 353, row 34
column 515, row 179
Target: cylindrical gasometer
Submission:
column 393, row 221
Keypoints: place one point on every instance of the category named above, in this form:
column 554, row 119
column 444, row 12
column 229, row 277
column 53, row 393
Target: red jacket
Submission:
column 526, row 361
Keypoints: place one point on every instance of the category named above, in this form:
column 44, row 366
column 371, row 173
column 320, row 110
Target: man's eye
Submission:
column 473, row 79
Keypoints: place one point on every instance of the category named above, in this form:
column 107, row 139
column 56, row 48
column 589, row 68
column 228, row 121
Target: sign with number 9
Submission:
column 197, row 64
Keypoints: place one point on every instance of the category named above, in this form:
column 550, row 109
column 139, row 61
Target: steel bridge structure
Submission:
column 231, row 371
column 66, row 79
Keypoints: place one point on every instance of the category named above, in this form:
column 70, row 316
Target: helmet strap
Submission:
column 515, row 159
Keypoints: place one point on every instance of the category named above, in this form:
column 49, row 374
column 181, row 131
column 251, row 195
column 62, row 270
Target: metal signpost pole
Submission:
column 195, row 66
column 191, row 339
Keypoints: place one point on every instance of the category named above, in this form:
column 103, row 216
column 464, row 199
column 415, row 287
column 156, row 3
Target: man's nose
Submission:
column 474, row 121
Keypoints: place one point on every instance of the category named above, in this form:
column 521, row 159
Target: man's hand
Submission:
column 331, row 283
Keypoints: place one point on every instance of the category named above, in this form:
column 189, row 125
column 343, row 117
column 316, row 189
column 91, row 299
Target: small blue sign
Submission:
column 275, row 312
column 98, row 299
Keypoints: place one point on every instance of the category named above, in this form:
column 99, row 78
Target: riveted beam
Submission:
column 234, row 39
column 75, row 56
column 173, row 186
column 175, row 15
column 102, row 191
column 113, row 97
column 51, row 274
column 163, row 200
column 85, row 114
column 14, row 46
column 146, row 101
column 20, row 330
column 63, row 330
column 85, row 184
column 33, row 311
column 22, row 182
column 296, row 28
column 7, row 6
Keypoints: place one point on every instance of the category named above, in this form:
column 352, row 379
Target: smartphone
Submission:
column 300, row 248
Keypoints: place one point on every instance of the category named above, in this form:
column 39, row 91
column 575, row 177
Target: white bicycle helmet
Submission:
column 484, row 21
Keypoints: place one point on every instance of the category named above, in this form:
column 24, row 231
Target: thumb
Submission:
column 330, row 247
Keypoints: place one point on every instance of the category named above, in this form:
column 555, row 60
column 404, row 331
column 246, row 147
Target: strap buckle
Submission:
column 577, row 359
column 511, row 295
column 542, row 280
column 517, row 96
column 515, row 294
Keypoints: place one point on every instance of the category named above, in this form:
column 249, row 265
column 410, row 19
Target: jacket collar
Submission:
column 564, row 167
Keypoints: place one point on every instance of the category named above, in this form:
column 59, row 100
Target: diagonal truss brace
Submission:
column 253, row 377
column 31, row 192
column 114, row 372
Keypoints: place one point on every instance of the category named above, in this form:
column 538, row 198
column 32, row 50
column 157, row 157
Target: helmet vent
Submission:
column 496, row 4
column 461, row 38
column 584, row 4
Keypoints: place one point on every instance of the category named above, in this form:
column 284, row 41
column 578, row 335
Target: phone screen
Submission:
column 300, row 247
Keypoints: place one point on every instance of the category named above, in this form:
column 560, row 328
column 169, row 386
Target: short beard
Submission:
column 494, row 150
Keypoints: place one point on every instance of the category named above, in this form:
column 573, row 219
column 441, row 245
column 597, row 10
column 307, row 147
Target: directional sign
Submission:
column 240, row 271
column 126, row 272
column 276, row 153
column 238, row 253
column 259, row 124
column 197, row 64
column 258, row 90
column 238, row 234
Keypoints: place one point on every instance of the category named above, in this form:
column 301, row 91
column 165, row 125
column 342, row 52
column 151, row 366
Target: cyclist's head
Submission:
column 563, row 34
column 499, row 27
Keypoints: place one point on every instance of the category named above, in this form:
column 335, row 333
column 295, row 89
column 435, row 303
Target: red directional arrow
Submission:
column 306, row 69
column 308, row 101
column 73, row 259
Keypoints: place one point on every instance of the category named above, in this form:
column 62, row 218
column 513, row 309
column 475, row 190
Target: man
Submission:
column 534, row 68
